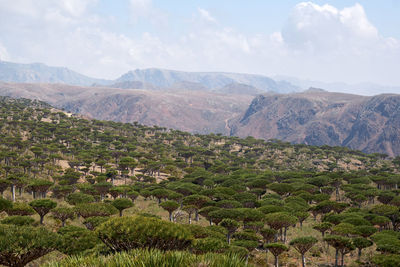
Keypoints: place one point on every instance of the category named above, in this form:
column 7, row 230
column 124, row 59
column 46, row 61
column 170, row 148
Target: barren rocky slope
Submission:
column 315, row 117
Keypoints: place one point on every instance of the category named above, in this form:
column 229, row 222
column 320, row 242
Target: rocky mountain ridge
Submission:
column 369, row 124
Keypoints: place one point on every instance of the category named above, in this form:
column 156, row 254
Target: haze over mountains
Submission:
column 41, row 73
column 142, row 79
column 227, row 103
column 365, row 88
column 208, row 80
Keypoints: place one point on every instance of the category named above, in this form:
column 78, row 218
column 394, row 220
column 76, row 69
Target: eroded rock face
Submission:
column 370, row 124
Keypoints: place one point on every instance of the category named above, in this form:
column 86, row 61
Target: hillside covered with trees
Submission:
column 83, row 192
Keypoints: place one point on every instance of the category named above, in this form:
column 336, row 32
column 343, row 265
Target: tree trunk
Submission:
column 170, row 216
column 228, row 236
column 342, row 260
column 284, row 235
column 336, row 257
column 196, row 215
column 120, row 213
column 276, row 261
column 41, row 219
column 13, row 192
column 63, row 223
column 190, row 218
column 303, row 260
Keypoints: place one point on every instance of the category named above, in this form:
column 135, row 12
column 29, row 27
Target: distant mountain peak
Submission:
column 164, row 78
column 42, row 73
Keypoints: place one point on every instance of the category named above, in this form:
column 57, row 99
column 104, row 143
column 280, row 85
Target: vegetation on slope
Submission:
column 242, row 200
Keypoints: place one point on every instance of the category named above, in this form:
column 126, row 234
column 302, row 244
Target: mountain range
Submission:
column 149, row 79
column 227, row 103
column 162, row 78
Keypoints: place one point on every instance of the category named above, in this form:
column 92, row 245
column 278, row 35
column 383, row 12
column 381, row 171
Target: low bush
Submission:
column 125, row 233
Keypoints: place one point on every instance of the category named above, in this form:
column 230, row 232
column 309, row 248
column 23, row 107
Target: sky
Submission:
column 330, row 41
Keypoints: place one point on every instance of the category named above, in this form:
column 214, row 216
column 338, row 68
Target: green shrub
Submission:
column 266, row 209
column 125, row 233
column 387, row 241
column 79, row 198
column 386, row 260
column 216, row 231
column 95, row 209
column 365, row 230
column 18, row 220
column 20, row 245
column 5, row 204
column 356, row 221
column 76, row 240
column 92, row 222
column 205, row 245
column 155, row 258
column 199, row 231
column 21, row 209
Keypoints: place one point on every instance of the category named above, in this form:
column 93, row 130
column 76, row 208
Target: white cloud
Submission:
column 145, row 9
column 206, row 15
column 32, row 8
column 315, row 27
column 141, row 7
column 316, row 42
column 335, row 44
column 3, row 53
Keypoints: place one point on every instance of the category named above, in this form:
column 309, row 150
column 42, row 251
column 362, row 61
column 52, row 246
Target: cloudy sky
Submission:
column 320, row 40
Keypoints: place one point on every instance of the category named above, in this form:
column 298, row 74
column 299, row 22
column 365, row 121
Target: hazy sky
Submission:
column 320, row 40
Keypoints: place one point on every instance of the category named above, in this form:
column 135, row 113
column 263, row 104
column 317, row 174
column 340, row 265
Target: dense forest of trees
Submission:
column 76, row 191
